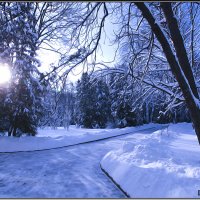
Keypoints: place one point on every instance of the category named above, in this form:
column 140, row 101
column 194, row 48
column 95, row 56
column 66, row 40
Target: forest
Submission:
column 154, row 76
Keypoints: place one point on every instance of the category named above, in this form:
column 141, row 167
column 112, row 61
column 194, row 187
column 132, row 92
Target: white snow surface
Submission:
column 164, row 164
column 71, row 172
column 49, row 138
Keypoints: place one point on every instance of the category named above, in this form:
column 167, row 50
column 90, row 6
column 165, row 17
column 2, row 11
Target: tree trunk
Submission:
column 10, row 131
column 192, row 34
column 179, row 46
column 14, row 131
column 182, row 71
column 147, row 112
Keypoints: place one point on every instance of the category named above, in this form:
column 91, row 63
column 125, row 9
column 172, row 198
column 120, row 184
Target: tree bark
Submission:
column 10, row 131
column 187, row 86
column 179, row 46
column 192, row 34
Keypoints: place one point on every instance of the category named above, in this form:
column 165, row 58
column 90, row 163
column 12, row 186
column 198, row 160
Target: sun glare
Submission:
column 5, row 74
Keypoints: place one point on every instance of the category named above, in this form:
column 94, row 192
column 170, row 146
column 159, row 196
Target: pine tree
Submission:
column 121, row 108
column 102, row 107
column 85, row 102
column 4, row 119
column 20, row 45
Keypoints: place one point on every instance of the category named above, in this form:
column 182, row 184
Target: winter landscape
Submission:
column 99, row 100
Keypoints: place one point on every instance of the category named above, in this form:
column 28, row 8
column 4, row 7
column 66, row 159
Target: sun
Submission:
column 5, row 74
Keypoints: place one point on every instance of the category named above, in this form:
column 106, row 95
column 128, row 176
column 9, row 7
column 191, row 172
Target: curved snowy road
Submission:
column 71, row 172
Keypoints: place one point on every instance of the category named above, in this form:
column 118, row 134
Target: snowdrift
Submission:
column 165, row 164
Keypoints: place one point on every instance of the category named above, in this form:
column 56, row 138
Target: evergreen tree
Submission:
column 85, row 102
column 4, row 120
column 121, row 108
column 20, row 45
column 102, row 107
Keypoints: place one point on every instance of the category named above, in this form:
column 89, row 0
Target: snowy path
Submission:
column 63, row 173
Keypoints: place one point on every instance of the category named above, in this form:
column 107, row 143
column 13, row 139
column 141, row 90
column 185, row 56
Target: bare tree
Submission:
column 153, row 43
column 179, row 63
column 87, row 31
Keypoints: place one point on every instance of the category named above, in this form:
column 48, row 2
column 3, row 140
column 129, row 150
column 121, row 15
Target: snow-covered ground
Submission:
column 145, row 164
column 70, row 172
column 48, row 138
column 164, row 164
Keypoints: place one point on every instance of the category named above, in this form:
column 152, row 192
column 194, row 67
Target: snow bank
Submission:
column 48, row 138
column 165, row 164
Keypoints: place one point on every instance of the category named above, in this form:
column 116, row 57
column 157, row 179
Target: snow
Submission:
column 146, row 164
column 164, row 164
column 71, row 172
column 48, row 138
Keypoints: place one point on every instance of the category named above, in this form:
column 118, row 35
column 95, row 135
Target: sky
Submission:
column 5, row 74
column 107, row 54
column 49, row 57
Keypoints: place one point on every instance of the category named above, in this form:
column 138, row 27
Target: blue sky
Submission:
column 107, row 54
